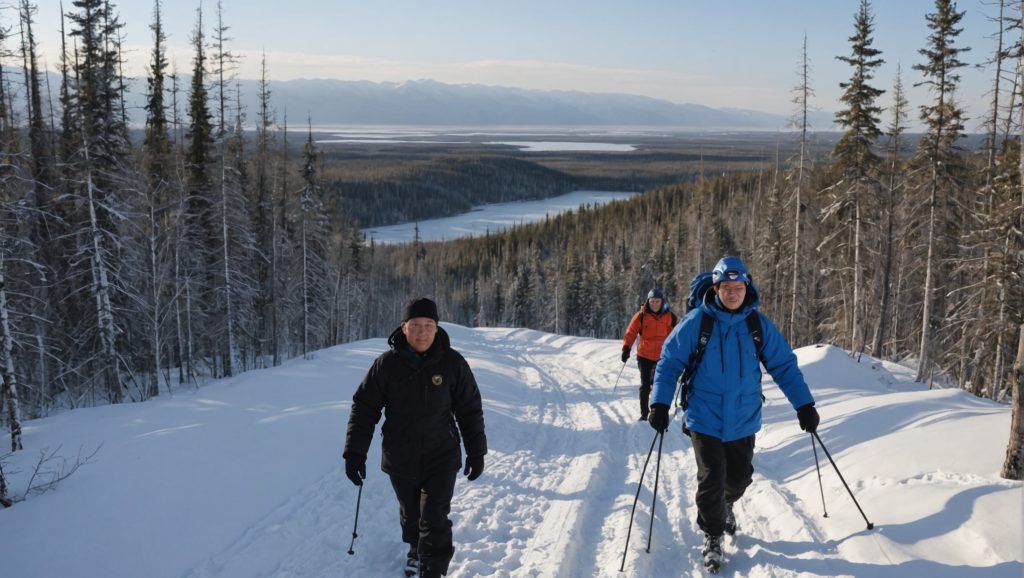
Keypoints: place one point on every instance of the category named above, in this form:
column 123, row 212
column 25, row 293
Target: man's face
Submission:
column 732, row 294
column 655, row 303
column 420, row 333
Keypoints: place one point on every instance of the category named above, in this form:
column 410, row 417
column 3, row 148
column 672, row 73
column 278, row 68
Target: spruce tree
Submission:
column 944, row 124
column 894, row 164
column 313, row 253
column 202, row 220
column 99, row 175
column 158, row 173
column 854, row 198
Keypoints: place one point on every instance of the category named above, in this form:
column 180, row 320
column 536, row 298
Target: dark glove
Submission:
column 686, row 431
column 474, row 467
column 658, row 417
column 625, row 354
column 808, row 417
column 355, row 469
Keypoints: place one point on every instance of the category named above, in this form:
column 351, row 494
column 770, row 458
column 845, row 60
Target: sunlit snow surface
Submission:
column 244, row 478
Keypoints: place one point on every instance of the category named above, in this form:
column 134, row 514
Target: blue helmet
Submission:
column 655, row 294
column 730, row 269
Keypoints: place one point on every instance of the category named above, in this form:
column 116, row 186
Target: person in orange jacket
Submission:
column 652, row 324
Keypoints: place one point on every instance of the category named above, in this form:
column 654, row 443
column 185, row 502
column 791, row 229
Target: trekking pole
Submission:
column 817, row 467
column 815, row 434
column 637, row 498
column 654, row 500
column 617, row 378
column 359, row 498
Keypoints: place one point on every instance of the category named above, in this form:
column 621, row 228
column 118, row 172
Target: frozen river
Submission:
column 492, row 217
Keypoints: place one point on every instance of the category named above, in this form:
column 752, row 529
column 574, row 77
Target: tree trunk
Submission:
column 10, row 383
column 856, row 343
column 104, row 309
column 1013, row 467
column 231, row 355
column 179, row 329
column 305, row 290
column 928, row 300
column 804, row 98
column 154, row 380
column 883, row 309
column 997, row 370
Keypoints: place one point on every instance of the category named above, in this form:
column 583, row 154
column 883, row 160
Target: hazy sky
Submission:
column 721, row 53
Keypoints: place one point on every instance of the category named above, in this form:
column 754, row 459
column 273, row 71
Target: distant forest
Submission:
column 212, row 244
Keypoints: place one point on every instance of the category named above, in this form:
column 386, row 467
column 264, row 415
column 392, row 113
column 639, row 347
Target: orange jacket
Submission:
column 655, row 328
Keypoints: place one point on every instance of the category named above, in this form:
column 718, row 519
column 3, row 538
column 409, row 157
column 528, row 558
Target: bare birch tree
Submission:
column 10, row 395
column 799, row 202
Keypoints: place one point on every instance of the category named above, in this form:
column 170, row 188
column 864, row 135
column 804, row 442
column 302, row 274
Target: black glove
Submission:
column 658, row 417
column 686, row 431
column 808, row 417
column 355, row 469
column 474, row 467
column 625, row 354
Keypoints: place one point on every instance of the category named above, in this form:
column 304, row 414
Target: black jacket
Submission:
column 423, row 397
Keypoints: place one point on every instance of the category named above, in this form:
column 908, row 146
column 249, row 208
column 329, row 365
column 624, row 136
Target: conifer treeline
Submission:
column 127, row 268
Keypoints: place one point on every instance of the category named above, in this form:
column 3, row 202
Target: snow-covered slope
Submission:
column 244, row 478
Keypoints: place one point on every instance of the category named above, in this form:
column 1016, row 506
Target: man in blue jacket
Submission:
column 724, row 400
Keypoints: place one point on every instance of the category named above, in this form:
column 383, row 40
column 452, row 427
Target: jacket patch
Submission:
column 437, row 379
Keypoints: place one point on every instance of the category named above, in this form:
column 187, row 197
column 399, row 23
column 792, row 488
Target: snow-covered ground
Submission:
column 492, row 218
column 244, row 478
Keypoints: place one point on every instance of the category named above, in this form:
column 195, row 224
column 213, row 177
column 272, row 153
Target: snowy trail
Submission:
column 566, row 454
column 244, row 478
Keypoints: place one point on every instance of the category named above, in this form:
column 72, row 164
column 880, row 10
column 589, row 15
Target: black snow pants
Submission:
column 424, row 504
column 724, row 470
column 646, row 382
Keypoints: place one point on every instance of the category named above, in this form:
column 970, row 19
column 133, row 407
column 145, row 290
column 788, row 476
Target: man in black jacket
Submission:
column 424, row 388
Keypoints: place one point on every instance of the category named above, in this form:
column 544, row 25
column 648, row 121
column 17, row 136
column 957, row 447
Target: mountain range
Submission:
column 432, row 103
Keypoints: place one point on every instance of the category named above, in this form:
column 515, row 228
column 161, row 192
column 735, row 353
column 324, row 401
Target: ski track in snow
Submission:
column 566, row 453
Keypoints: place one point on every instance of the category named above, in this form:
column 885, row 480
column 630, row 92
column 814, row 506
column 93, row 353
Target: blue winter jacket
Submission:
column 725, row 400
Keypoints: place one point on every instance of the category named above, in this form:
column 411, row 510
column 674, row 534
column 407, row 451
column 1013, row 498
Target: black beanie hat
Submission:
column 420, row 307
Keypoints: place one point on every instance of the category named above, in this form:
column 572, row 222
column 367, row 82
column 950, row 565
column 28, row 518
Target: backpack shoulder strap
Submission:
column 707, row 324
column 754, row 325
column 675, row 320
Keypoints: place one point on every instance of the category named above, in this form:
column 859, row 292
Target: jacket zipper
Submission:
column 739, row 353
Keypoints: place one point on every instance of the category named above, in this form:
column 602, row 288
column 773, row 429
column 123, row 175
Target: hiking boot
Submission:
column 412, row 563
column 429, row 569
column 730, row 519
column 643, row 417
column 426, row 572
column 712, row 553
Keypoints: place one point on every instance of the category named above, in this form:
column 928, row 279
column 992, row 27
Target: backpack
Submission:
column 643, row 309
column 699, row 287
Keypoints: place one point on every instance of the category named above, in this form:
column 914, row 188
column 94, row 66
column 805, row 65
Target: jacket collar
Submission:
column 399, row 344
